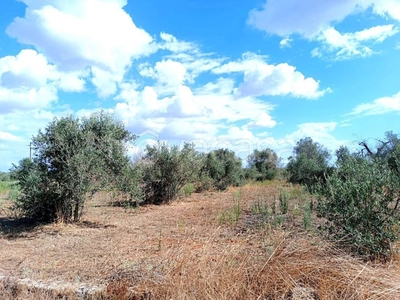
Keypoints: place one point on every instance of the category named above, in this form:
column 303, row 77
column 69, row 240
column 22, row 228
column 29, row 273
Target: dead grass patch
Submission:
column 182, row 251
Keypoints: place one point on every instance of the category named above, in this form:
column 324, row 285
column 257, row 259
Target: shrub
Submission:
column 309, row 163
column 360, row 200
column 263, row 164
column 224, row 168
column 167, row 169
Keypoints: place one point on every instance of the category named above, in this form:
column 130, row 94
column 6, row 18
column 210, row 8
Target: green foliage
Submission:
column 284, row 201
column 263, row 165
column 4, row 186
column 360, row 200
column 307, row 220
column 5, row 177
column 71, row 158
column 187, row 189
column 166, row 170
column 309, row 163
column 224, row 168
column 232, row 215
column 5, row 182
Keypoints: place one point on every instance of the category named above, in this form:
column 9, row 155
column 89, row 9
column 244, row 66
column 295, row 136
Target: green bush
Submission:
column 224, row 168
column 5, row 177
column 263, row 165
column 309, row 163
column 166, row 170
column 360, row 200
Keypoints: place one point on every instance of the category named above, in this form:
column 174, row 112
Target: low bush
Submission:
column 360, row 200
column 224, row 168
column 166, row 170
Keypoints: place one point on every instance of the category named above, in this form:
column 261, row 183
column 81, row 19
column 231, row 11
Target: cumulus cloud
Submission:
column 379, row 106
column 314, row 21
column 263, row 120
column 307, row 17
column 29, row 81
column 24, row 82
column 200, row 113
column 184, row 104
column 80, row 34
column 263, row 79
column 170, row 73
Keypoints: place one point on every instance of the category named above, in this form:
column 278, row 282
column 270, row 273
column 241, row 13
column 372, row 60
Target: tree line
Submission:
column 358, row 192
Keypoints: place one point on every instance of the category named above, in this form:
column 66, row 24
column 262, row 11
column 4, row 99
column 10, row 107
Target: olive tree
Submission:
column 166, row 169
column 72, row 158
column 264, row 164
column 309, row 162
column 360, row 201
column 224, row 168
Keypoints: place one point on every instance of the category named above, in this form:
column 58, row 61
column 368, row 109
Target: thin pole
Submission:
column 30, row 150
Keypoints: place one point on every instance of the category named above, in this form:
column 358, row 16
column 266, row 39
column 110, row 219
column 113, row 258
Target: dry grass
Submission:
column 184, row 251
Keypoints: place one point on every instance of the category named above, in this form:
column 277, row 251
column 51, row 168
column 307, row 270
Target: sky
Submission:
column 242, row 75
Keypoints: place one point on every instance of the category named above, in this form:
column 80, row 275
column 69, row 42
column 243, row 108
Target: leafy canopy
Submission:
column 309, row 162
column 72, row 158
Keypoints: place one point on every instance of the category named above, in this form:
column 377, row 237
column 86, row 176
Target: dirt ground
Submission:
column 153, row 242
column 109, row 237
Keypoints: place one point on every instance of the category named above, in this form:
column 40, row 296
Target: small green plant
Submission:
column 180, row 224
column 4, row 186
column 307, row 217
column 284, row 201
column 232, row 215
column 13, row 192
column 280, row 220
column 261, row 207
column 273, row 207
column 187, row 189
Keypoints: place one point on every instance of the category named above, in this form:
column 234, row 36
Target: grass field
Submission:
column 254, row 242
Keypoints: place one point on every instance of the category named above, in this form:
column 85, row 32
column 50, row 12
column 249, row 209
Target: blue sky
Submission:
column 244, row 75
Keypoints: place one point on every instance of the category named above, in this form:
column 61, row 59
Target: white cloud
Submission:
column 16, row 131
column 184, row 104
column 387, row 8
column 26, row 98
column 314, row 20
column 319, row 132
column 28, row 81
column 76, row 35
column 28, row 69
column 379, row 106
column 352, row 44
column 170, row 73
column 285, row 42
column 264, row 120
column 202, row 113
column 263, row 79
column 235, row 133
column 172, row 44
column 6, row 136
column 307, row 17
